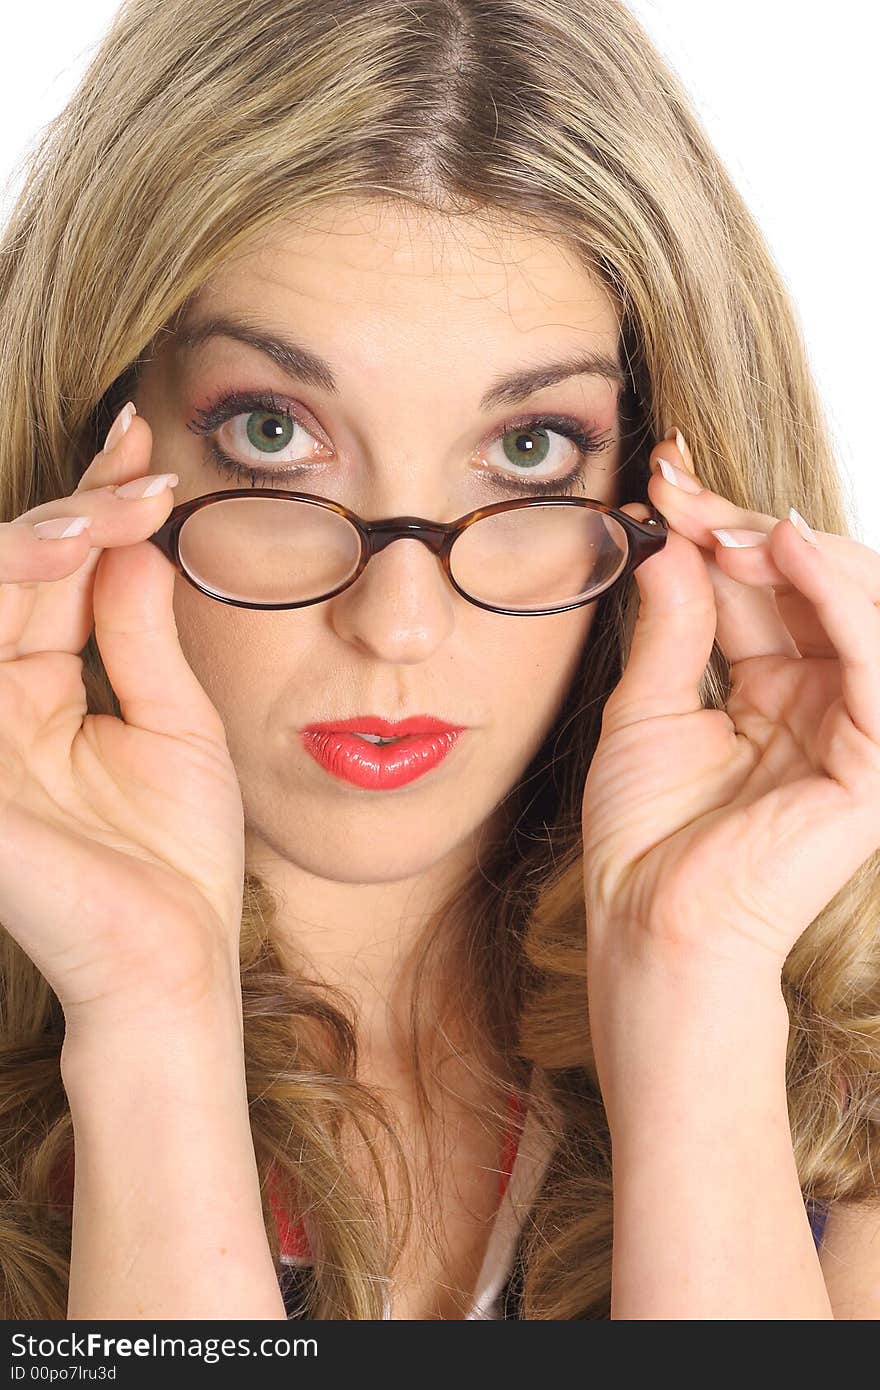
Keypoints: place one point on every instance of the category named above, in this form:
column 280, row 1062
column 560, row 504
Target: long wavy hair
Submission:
column 198, row 127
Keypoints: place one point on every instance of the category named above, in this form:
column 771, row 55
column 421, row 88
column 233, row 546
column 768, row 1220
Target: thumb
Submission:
column 673, row 635
column 136, row 634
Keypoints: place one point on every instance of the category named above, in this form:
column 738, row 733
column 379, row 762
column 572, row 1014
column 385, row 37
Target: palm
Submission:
column 146, row 826
column 684, row 814
column 724, row 832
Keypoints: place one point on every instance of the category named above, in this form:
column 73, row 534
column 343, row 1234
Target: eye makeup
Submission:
column 588, row 443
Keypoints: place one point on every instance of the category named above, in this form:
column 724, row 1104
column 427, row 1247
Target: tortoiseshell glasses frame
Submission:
column 645, row 539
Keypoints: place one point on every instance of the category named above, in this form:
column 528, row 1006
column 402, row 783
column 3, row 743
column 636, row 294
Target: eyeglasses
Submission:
column 529, row 556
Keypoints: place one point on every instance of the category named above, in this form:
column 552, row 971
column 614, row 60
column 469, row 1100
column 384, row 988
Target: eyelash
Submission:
column 209, row 419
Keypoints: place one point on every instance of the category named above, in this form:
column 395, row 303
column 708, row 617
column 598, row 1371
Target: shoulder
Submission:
column 850, row 1259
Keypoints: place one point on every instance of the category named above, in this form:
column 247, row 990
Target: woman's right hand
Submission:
column 121, row 840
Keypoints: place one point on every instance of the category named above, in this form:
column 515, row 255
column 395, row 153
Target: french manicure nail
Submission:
column 675, row 433
column 740, row 539
column 120, row 425
column 677, row 477
column 801, row 527
column 148, row 486
column 684, row 450
column 60, row 527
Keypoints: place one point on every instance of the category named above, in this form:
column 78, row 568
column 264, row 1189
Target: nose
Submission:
column 401, row 608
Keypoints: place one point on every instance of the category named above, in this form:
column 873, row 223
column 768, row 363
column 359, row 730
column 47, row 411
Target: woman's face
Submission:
column 416, row 317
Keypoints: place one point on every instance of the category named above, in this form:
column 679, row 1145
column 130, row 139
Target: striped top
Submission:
column 818, row 1215
column 525, row 1154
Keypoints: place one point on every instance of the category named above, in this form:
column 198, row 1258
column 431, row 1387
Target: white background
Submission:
column 786, row 91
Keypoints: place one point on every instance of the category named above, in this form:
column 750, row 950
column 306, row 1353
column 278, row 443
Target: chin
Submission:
column 342, row 851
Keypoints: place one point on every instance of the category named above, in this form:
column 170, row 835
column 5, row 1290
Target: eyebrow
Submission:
column 301, row 362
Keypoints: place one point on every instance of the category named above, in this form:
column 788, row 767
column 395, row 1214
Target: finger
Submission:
column 136, row 635
column 126, row 457
column 848, row 616
column 756, row 565
column 673, row 635
column 751, row 566
column 23, row 557
column 109, row 464
column 54, row 612
column 695, row 513
column 699, row 515
column 45, row 584
column 750, row 621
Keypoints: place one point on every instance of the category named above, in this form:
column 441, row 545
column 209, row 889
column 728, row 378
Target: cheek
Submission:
column 548, row 653
column 256, row 669
column 538, row 667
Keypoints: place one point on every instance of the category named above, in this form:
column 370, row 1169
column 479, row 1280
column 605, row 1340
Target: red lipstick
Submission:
column 421, row 742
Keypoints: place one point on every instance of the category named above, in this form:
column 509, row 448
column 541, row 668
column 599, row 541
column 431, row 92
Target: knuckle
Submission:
column 26, row 560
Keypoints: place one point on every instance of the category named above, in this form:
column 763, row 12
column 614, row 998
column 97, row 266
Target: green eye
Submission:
column 269, row 431
column 531, row 456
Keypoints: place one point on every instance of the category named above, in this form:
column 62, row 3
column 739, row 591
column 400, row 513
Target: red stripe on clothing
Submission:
column 516, row 1114
column 292, row 1239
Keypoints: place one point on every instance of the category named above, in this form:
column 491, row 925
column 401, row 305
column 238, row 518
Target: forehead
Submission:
column 391, row 268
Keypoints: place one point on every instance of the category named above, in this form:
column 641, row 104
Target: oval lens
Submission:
column 269, row 550
column 539, row 557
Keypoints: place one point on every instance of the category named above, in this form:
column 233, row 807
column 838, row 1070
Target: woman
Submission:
column 347, row 1032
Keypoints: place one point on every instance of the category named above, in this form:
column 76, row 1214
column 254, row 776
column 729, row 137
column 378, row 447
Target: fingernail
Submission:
column 677, row 477
column 676, row 434
column 740, row 539
column 120, row 425
column 801, row 526
column 148, row 486
column 60, row 527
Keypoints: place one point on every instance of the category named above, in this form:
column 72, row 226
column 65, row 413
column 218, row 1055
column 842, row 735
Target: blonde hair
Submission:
column 197, row 128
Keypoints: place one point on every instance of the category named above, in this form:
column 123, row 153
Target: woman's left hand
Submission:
column 719, row 835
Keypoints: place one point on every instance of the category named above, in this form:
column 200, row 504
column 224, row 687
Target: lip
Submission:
column 367, row 765
column 383, row 728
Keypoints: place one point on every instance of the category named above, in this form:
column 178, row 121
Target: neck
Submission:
column 360, row 938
